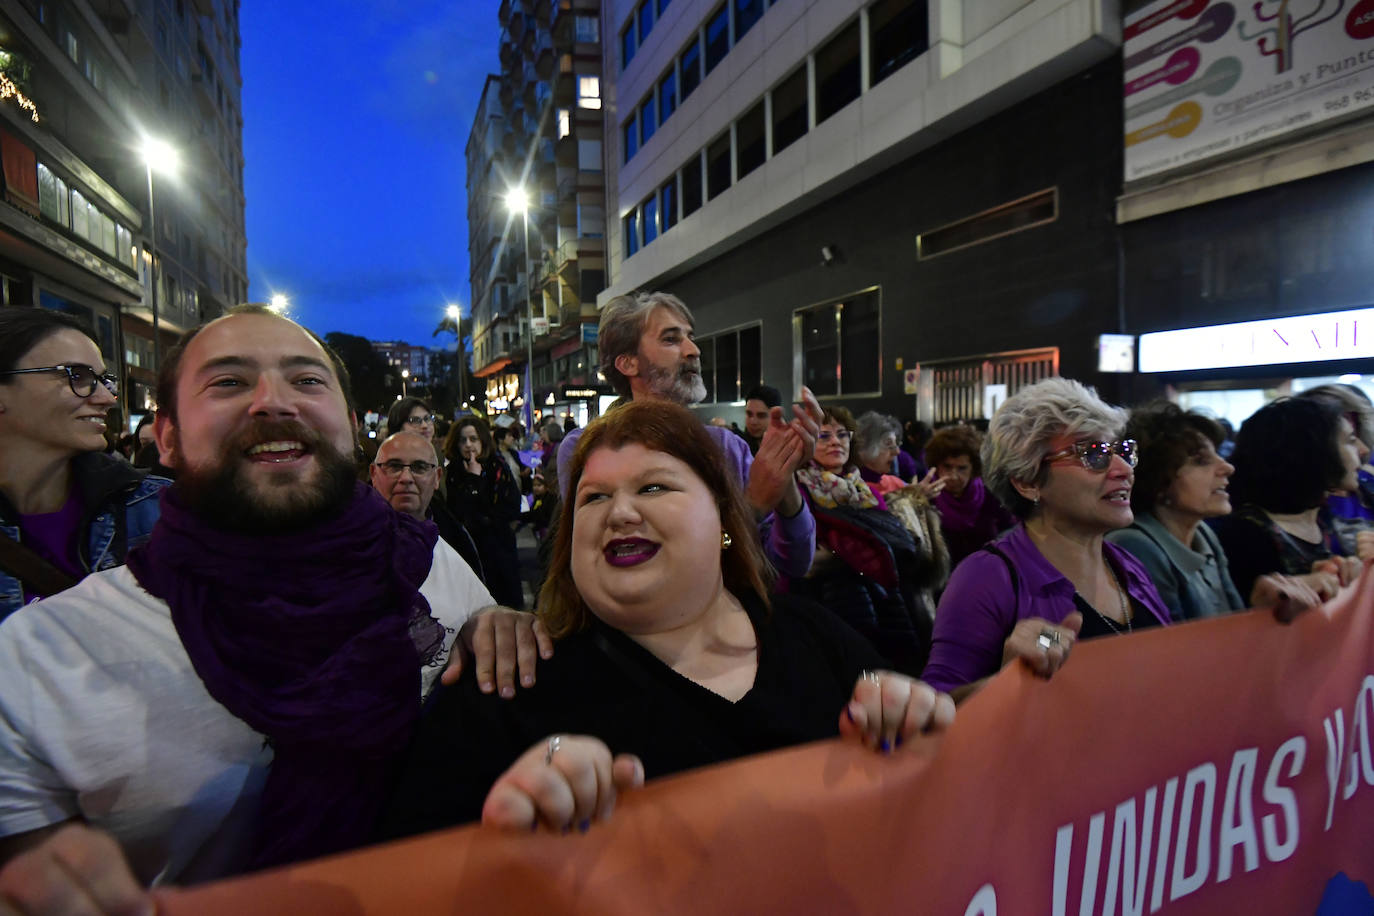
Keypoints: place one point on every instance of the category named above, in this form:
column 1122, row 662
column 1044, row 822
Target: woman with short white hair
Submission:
column 1054, row 457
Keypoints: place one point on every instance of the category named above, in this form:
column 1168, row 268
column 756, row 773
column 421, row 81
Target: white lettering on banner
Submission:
column 1133, row 834
column 984, row 902
column 1299, row 339
column 1355, row 759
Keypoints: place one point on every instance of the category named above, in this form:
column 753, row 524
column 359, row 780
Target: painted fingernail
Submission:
column 508, row 692
column 585, row 826
column 885, row 746
column 527, row 680
column 486, row 686
column 546, row 653
column 898, row 742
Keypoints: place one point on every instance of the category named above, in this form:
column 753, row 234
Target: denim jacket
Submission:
column 119, row 508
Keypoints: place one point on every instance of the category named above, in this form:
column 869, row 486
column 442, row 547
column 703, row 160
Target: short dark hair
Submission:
column 170, row 371
column 396, row 416
column 1167, row 436
column 769, row 395
column 837, row 415
column 23, row 327
column 953, row 441
column 1286, row 455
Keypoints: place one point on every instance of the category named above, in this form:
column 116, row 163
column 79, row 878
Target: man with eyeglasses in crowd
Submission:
column 238, row 695
column 406, row 475
column 66, row 508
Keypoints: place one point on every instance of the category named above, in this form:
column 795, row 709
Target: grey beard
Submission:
column 685, row 388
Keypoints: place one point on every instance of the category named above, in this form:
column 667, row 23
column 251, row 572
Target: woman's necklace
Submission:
column 1125, row 607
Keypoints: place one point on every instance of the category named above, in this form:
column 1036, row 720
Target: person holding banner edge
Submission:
column 670, row 652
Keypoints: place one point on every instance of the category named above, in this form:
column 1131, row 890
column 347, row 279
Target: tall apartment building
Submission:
column 539, row 126
column 918, row 206
column 98, row 78
column 401, row 355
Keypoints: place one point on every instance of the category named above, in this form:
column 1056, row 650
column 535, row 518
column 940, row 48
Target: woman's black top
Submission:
column 604, row 684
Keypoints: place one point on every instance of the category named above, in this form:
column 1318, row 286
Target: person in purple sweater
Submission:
column 970, row 516
column 1053, row 457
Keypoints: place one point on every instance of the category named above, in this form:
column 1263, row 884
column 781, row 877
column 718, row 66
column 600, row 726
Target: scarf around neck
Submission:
column 829, row 489
column 314, row 639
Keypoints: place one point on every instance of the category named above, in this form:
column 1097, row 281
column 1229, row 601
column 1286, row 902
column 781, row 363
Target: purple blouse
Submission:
column 979, row 609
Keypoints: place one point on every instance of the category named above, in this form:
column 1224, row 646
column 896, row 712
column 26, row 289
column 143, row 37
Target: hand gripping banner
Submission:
column 1224, row 766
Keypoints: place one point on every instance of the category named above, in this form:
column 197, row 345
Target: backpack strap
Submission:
column 37, row 574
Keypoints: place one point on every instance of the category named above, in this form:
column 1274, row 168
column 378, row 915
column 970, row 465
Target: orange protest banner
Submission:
column 1219, row 767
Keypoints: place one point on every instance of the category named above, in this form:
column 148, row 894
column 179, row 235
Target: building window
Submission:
column 627, row 45
column 587, row 30
column 749, row 138
column 650, row 211
column 789, row 111
column 631, row 233
column 81, row 215
column 52, row 196
column 691, row 186
column 717, row 37
column 1028, row 212
column 897, row 35
column 646, row 19
column 589, row 92
column 589, row 155
column 667, row 96
column 667, row 196
column 837, row 72
column 747, row 12
column 718, row 167
column 631, row 138
column 839, row 344
column 689, row 65
column 647, row 121
column 564, row 122
column 73, row 48
column 731, row 363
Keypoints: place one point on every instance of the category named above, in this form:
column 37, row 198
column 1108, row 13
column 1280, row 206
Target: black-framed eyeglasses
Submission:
column 81, row 379
column 1097, row 456
column 394, row 468
column 423, row 418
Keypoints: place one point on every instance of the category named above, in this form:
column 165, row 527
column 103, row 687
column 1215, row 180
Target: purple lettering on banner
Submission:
column 1182, row 64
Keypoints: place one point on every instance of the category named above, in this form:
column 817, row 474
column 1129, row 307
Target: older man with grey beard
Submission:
column 647, row 351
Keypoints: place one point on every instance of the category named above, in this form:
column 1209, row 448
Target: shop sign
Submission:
column 1207, row 79
column 585, row 392
column 1275, row 341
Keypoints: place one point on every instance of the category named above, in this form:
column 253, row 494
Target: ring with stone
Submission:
column 1046, row 639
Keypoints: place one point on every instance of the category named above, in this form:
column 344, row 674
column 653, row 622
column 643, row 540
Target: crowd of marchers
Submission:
column 269, row 639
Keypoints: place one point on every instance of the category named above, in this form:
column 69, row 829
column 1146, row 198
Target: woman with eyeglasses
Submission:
column 1054, row 456
column 413, row 415
column 868, row 567
column 484, row 495
column 66, row 508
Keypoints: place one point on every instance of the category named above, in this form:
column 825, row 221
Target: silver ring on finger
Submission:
column 554, row 743
column 1048, row 637
column 871, row 677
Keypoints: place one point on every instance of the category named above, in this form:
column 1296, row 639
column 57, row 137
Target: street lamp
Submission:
column 405, row 374
column 518, row 201
column 160, row 156
column 278, row 303
column 455, row 314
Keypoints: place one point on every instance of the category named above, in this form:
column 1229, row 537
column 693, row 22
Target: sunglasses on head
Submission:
column 81, row 379
column 1097, row 456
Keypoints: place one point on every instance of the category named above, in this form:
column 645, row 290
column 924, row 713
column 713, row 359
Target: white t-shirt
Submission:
column 103, row 718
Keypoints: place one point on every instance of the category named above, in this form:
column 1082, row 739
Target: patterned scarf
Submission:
column 829, row 489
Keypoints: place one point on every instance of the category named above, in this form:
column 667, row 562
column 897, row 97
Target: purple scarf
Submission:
column 315, row 639
column 961, row 513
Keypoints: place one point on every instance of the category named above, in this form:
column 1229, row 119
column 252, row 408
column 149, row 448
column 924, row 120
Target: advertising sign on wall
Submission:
column 1205, row 78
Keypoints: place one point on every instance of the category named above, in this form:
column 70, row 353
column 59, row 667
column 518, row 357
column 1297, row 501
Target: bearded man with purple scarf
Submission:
column 238, row 695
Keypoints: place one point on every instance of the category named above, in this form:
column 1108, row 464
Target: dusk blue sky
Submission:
column 355, row 117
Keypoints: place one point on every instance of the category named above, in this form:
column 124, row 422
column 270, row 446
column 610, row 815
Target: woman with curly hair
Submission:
column 970, row 516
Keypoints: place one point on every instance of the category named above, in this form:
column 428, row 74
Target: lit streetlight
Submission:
column 278, row 303
column 455, row 314
column 405, row 374
column 518, row 201
column 157, row 156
